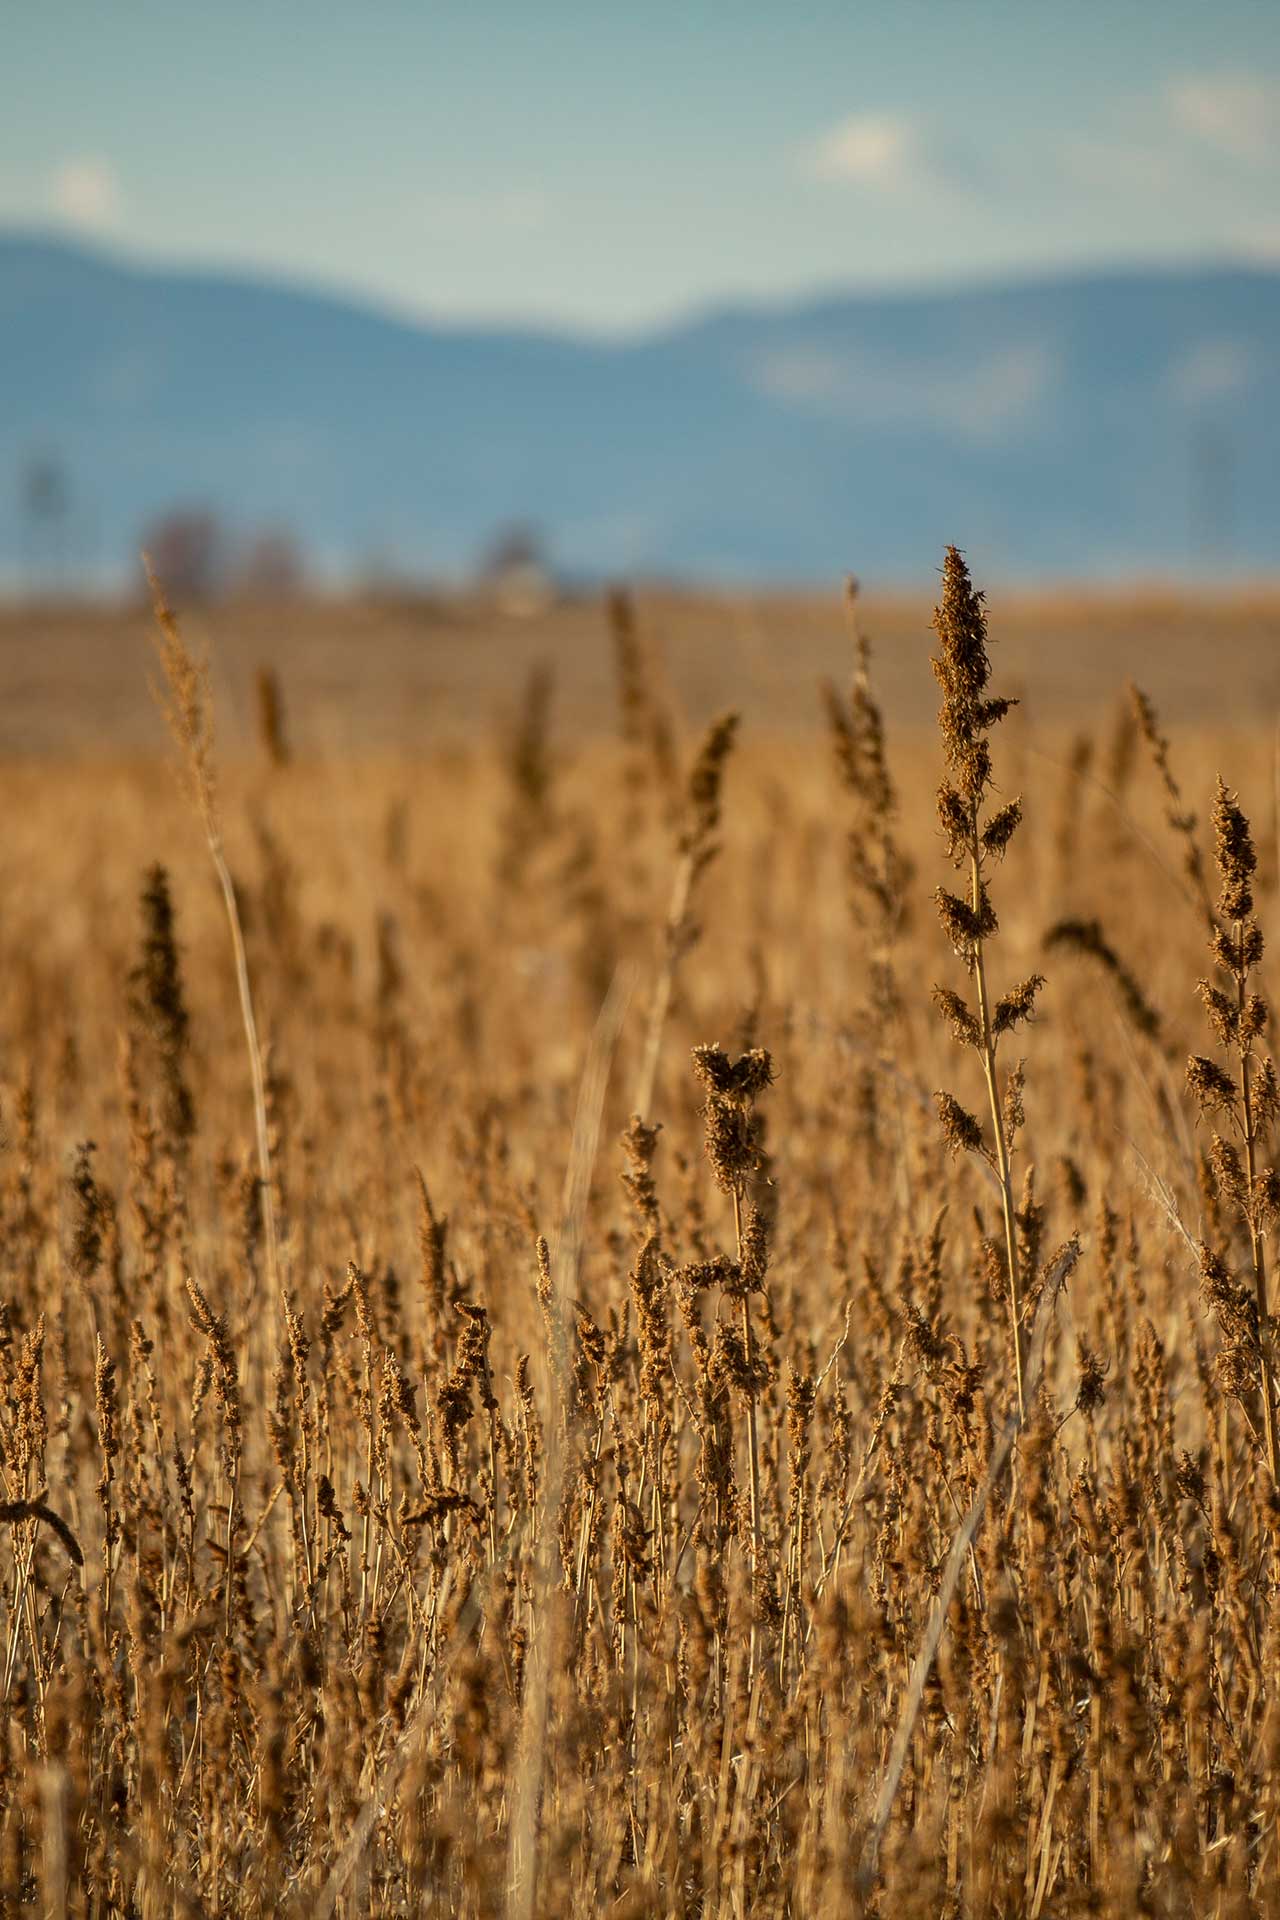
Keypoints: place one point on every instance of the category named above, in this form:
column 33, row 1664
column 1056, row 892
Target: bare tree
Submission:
column 186, row 549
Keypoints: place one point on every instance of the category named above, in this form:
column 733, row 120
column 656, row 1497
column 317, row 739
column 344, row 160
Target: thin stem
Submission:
column 997, row 1121
column 914, row 1695
column 256, row 1071
column 677, row 915
column 535, row 1707
column 190, row 715
column 753, row 1442
column 1255, row 1239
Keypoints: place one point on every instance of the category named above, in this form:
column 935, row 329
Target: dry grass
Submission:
column 637, row 1515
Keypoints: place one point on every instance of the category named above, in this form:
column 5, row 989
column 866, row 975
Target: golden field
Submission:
column 399, row 675
column 430, row 1491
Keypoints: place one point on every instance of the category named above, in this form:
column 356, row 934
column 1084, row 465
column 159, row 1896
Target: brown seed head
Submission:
column 1017, row 1005
column 86, row 1242
column 962, row 668
column 1208, row 1085
column 1234, row 854
column 960, row 1129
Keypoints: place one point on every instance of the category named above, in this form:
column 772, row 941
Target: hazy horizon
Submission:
column 343, row 292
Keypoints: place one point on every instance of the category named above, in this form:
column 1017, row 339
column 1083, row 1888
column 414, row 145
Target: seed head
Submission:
column 1017, row 1005
column 1208, row 1085
column 960, row 1129
column 1234, row 854
column 962, row 1022
column 962, row 668
column 1093, row 1373
column 86, row 1243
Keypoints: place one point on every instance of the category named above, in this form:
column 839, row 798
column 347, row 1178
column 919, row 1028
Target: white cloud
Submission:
column 85, row 192
column 1120, row 166
column 1260, row 241
column 1238, row 115
column 998, row 396
column 1213, row 370
column 869, row 149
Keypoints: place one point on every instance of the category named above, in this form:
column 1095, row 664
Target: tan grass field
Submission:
column 428, row 1491
column 401, row 675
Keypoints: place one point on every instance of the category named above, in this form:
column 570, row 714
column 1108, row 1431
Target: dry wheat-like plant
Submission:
column 189, row 711
column 977, row 837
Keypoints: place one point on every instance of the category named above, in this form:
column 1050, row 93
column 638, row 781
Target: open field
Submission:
column 489, row 1505
column 403, row 675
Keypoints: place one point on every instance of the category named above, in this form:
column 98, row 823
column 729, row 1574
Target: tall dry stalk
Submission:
column 733, row 1146
column 696, row 848
column 565, row 1261
column 976, row 839
column 1179, row 817
column 879, row 872
column 188, row 709
column 961, row 1546
column 1251, row 1104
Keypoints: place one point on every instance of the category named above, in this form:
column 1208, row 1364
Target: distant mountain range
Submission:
column 1108, row 423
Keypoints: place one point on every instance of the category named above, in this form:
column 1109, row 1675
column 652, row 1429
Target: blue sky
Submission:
column 609, row 167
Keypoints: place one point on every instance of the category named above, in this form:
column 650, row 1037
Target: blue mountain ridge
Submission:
column 1106, row 423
